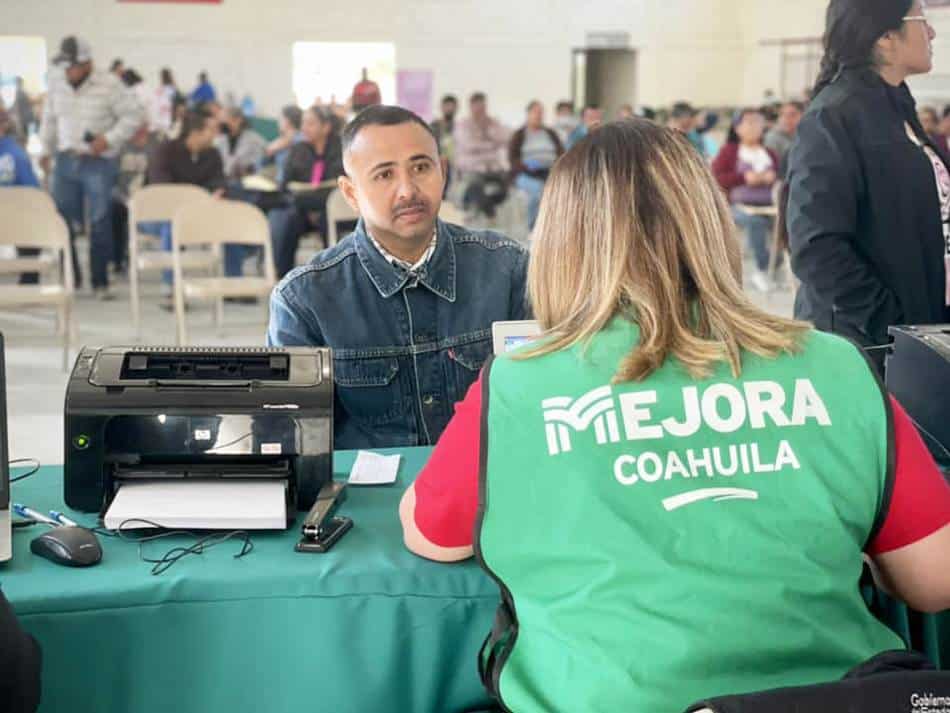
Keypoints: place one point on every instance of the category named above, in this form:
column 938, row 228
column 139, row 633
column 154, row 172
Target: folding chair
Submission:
column 214, row 223
column 30, row 219
column 159, row 203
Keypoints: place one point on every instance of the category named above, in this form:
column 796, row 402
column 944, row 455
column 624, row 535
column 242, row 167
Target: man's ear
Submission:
column 349, row 191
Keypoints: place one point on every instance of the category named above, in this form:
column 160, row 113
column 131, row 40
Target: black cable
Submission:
column 32, row 471
column 176, row 553
column 230, row 443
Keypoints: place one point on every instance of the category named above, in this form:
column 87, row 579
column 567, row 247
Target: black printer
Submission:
column 917, row 373
column 196, row 412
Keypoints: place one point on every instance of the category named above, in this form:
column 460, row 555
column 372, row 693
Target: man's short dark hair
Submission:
column 381, row 115
column 130, row 78
column 450, row 98
column 476, row 97
column 683, row 110
column 798, row 105
column 532, row 104
column 294, row 115
column 194, row 120
column 564, row 105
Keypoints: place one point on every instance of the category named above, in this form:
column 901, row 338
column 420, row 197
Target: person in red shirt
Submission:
column 365, row 93
column 910, row 550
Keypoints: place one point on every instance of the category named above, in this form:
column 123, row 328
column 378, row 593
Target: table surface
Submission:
column 367, row 578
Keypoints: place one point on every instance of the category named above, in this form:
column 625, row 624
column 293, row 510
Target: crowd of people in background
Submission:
column 141, row 134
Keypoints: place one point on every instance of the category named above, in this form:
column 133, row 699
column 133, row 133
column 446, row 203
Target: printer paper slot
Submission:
column 204, row 470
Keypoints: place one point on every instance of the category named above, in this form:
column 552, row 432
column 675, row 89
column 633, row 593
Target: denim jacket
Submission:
column 405, row 347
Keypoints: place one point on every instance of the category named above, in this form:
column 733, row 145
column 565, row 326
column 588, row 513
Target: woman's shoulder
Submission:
column 831, row 353
column 851, row 94
column 301, row 150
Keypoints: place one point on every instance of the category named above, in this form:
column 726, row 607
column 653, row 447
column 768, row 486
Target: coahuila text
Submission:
column 727, row 461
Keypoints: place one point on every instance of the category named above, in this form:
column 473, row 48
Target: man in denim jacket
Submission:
column 406, row 302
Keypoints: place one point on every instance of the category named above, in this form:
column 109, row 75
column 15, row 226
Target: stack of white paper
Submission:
column 200, row 504
column 374, row 469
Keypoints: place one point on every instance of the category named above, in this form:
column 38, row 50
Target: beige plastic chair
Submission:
column 30, row 220
column 38, row 201
column 214, row 223
column 160, row 202
column 337, row 210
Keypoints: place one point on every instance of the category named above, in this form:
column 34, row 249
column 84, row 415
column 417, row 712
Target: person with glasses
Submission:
column 868, row 192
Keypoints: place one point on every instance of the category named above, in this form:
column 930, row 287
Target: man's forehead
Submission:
column 384, row 144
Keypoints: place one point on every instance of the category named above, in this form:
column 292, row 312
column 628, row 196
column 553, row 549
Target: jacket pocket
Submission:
column 368, row 389
column 464, row 363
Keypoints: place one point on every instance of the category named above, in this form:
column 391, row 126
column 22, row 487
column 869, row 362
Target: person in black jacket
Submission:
column 317, row 160
column 868, row 194
column 20, row 661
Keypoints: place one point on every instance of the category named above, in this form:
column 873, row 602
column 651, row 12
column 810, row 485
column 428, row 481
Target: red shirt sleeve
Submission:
column 447, row 487
column 920, row 502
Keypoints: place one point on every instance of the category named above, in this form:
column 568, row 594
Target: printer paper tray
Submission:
column 199, row 504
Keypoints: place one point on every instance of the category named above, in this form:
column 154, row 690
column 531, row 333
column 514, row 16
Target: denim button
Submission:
column 428, row 400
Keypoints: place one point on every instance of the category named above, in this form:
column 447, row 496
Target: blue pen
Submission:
column 62, row 519
column 30, row 514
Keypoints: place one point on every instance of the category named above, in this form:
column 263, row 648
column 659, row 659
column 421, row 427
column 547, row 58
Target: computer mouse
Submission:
column 71, row 546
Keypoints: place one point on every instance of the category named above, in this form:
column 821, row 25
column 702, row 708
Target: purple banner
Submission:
column 414, row 91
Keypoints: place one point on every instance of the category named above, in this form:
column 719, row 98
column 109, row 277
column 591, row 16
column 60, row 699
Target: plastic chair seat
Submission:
column 212, row 287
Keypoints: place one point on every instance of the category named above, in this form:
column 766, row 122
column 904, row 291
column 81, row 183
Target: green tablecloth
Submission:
column 366, row 628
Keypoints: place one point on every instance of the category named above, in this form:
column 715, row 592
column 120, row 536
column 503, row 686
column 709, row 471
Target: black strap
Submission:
column 494, row 643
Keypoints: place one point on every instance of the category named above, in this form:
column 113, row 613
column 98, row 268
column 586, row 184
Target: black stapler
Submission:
column 320, row 530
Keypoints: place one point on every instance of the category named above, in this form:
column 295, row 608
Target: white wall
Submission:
column 706, row 51
column 773, row 19
column 768, row 20
column 513, row 49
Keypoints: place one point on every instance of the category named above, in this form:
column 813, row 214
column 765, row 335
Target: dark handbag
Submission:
column 891, row 682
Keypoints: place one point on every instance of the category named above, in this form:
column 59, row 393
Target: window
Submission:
column 328, row 71
column 22, row 57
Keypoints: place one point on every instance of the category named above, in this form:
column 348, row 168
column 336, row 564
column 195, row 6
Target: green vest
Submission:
column 661, row 542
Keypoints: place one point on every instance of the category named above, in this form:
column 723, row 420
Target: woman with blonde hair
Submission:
column 673, row 489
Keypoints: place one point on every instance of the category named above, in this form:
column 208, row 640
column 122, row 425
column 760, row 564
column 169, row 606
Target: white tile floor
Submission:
column 36, row 384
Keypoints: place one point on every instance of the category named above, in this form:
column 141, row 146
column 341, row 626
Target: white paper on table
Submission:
column 374, row 469
column 201, row 504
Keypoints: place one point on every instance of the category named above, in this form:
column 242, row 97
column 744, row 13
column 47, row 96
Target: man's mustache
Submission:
column 410, row 206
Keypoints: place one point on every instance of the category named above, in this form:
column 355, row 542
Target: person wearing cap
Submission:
column 683, row 119
column 87, row 117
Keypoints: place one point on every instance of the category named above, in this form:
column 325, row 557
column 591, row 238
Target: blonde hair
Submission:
column 633, row 224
